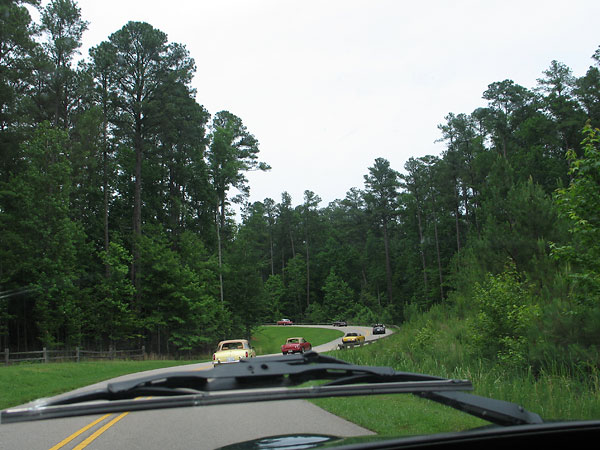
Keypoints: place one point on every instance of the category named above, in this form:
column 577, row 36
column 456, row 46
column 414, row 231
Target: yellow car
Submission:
column 353, row 338
column 232, row 351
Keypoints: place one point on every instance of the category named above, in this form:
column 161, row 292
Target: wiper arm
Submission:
column 265, row 372
column 492, row 410
column 260, row 379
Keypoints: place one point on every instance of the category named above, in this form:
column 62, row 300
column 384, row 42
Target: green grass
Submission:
column 396, row 414
column 435, row 345
column 22, row 383
column 269, row 339
column 399, row 414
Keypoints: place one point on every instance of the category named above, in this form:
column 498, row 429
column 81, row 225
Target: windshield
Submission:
column 232, row 346
column 189, row 186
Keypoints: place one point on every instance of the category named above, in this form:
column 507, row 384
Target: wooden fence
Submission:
column 78, row 354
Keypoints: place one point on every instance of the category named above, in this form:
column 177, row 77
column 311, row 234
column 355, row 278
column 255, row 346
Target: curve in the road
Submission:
column 178, row 428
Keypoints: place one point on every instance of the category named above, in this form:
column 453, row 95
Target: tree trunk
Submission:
column 456, row 222
column 105, row 178
column 307, row 274
column 388, row 266
column 282, row 264
column 271, row 252
column 292, row 243
column 439, row 261
column 137, row 206
column 465, row 193
column 422, row 246
column 220, row 259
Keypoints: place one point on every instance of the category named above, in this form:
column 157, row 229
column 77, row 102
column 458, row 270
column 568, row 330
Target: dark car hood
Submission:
column 578, row 434
column 288, row 441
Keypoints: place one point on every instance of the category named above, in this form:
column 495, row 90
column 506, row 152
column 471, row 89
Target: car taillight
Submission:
column 213, row 356
column 246, row 354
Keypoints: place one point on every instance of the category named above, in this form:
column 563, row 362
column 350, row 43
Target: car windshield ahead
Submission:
column 232, row 346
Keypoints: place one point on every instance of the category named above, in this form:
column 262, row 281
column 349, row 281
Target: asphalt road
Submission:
column 206, row 427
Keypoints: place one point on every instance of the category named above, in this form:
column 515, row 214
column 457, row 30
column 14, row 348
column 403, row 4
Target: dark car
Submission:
column 340, row 323
column 379, row 328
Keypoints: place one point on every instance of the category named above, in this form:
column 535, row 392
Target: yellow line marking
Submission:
column 88, row 440
column 77, row 433
column 91, row 438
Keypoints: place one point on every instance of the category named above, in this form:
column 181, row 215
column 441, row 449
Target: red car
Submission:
column 295, row 345
column 285, row 322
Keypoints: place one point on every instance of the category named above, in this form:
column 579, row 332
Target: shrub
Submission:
column 506, row 313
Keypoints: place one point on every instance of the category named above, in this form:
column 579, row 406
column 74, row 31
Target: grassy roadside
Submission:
column 396, row 414
column 430, row 344
column 23, row 383
column 434, row 343
column 268, row 339
column 399, row 415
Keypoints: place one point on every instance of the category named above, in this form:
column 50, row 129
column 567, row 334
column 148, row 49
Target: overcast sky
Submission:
column 328, row 86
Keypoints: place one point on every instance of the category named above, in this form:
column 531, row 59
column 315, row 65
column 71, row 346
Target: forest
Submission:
column 118, row 191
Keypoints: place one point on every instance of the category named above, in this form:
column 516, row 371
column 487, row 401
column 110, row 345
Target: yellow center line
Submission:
column 88, row 440
column 77, row 433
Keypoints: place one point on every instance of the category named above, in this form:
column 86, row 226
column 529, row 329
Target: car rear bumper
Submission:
column 218, row 363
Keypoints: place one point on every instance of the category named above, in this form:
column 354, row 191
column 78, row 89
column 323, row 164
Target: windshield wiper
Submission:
column 268, row 379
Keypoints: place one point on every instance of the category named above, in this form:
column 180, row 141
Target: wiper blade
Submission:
column 252, row 380
column 265, row 372
column 496, row 411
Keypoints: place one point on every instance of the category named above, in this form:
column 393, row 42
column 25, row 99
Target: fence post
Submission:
column 6, row 355
column 143, row 352
column 45, row 355
column 77, row 353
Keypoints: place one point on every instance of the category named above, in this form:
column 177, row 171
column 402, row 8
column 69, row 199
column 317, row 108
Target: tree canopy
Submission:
column 117, row 190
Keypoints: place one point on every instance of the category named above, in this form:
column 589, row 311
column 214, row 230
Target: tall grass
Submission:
column 437, row 343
